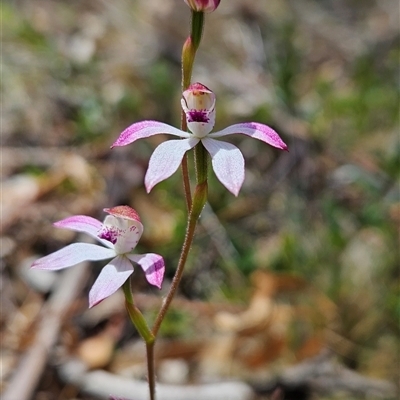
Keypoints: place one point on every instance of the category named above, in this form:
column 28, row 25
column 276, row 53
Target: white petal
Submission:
column 166, row 159
column 153, row 266
column 72, row 255
column 227, row 162
column 111, row 278
column 83, row 223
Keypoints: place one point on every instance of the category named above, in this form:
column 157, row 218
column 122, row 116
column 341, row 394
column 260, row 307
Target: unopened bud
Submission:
column 206, row 6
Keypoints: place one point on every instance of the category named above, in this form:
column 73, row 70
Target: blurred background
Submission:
column 292, row 288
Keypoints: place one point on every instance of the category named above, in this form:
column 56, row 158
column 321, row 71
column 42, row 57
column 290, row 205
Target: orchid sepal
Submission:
column 145, row 129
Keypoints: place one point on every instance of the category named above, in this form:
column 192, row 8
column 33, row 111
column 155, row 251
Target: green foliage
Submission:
column 287, row 62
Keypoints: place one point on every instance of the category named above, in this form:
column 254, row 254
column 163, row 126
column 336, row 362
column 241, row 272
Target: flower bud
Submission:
column 198, row 103
column 203, row 5
column 188, row 54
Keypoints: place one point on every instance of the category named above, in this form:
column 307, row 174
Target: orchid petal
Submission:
column 198, row 103
column 227, row 162
column 166, row 159
column 72, row 255
column 256, row 131
column 152, row 265
column 122, row 232
column 144, row 129
column 111, row 278
column 85, row 224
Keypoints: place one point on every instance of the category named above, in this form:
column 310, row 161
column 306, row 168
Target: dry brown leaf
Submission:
column 97, row 351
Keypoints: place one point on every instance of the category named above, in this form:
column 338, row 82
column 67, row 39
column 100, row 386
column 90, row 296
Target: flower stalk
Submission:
column 189, row 50
column 200, row 196
column 197, row 25
column 199, row 200
column 139, row 322
column 201, row 163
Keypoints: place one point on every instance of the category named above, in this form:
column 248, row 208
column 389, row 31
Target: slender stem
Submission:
column 140, row 324
column 190, row 230
column 151, row 369
column 186, row 182
column 197, row 24
column 187, row 65
column 185, row 169
column 199, row 198
column 201, row 163
column 188, row 56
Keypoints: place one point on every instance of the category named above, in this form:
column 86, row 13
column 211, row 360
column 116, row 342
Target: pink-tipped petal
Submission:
column 111, row 278
column 72, row 255
column 83, row 223
column 227, row 162
column 256, row 131
column 144, row 129
column 152, row 265
column 166, row 159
